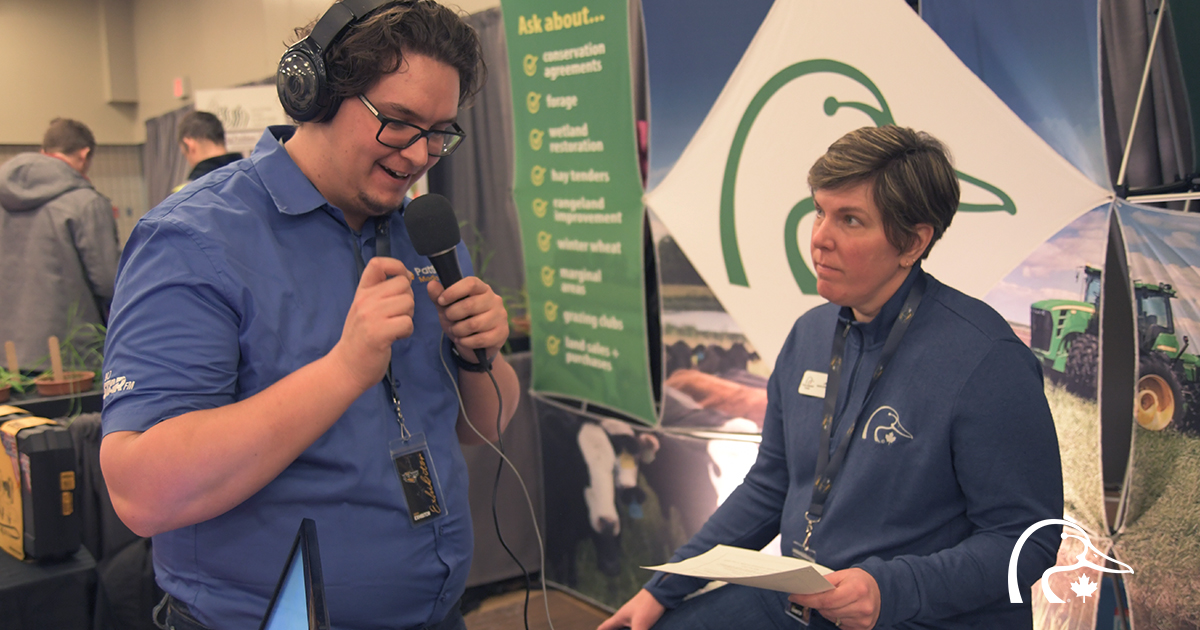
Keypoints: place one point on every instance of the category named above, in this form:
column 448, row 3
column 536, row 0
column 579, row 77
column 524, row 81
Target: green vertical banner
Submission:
column 578, row 192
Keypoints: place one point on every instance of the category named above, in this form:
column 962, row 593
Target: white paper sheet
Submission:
column 752, row 568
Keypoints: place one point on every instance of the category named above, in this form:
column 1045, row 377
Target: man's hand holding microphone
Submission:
column 381, row 314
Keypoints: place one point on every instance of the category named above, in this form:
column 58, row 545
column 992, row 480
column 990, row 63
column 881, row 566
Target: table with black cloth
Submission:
column 56, row 406
column 44, row 594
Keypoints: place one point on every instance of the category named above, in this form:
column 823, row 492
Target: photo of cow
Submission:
column 621, row 496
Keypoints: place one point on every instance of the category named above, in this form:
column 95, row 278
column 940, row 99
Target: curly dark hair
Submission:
column 375, row 46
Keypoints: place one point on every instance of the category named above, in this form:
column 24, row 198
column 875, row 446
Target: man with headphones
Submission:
column 269, row 360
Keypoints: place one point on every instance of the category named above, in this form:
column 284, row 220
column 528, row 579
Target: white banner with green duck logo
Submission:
column 737, row 201
column 578, row 193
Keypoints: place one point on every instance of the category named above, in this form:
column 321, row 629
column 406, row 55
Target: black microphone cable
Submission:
column 496, row 493
column 433, row 228
column 499, row 448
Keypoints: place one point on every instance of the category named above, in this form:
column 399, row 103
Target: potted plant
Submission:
column 10, row 381
column 12, row 378
column 59, row 381
column 516, row 301
column 74, row 363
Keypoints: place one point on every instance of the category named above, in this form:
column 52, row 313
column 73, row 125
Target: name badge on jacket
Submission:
column 813, row 384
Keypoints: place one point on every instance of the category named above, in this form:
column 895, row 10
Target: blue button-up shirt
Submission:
column 238, row 280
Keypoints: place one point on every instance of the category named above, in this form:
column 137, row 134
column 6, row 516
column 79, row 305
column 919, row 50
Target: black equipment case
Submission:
column 37, row 487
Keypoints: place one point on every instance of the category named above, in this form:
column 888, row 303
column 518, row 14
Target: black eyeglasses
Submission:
column 398, row 134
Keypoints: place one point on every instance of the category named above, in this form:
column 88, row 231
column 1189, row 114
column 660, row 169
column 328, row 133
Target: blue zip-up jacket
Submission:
column 954, row 457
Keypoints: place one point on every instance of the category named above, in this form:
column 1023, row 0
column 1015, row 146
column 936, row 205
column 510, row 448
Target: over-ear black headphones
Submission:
column 301, row 80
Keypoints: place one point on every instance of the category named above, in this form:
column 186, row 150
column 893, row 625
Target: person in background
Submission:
column 58, row 244
column 202, row 142
column 269, row 358
column 908, row 443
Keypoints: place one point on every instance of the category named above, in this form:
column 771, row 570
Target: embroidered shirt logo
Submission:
column 425, row 274
column 887, row 427
column 112, row 384
column 1083, row 587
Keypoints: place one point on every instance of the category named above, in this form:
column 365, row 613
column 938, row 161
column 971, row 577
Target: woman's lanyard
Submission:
column 383, row 247
column 828, row 467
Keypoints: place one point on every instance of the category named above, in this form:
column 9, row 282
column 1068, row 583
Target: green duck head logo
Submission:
column 878, row 112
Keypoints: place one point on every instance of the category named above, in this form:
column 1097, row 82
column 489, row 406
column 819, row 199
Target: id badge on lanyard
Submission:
column 414, row 465
column 410, row 453
column 418, row 477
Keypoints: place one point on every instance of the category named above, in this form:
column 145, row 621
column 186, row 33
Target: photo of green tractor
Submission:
column 1064, row 335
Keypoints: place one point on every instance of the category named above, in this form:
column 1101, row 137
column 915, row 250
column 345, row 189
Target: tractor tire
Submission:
column 1048, row 371
column 1159, row 399
column 1083, row 359
column 1189, row 422
column 1054, row 377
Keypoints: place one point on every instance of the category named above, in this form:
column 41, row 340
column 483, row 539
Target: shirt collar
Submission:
column 288, row 186
column 876, row 330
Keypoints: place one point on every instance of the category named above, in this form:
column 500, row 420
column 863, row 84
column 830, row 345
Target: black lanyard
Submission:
column 383, row 247
column 828, row 467
column 383, row 240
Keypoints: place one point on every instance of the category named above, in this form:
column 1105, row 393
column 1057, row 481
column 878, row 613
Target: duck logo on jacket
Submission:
column 887, row 427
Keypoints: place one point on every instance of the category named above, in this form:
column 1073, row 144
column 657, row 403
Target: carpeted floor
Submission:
column 505, row 611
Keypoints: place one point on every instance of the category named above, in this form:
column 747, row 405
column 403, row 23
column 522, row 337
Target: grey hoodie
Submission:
column 58, row 250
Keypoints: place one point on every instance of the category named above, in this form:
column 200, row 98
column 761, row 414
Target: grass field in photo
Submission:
column 1161, row 536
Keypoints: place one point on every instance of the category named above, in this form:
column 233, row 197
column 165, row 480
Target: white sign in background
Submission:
column 923, row 85
column 244, row 111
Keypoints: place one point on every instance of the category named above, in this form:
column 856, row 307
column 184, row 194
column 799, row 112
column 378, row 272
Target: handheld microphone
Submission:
column 433, row 229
